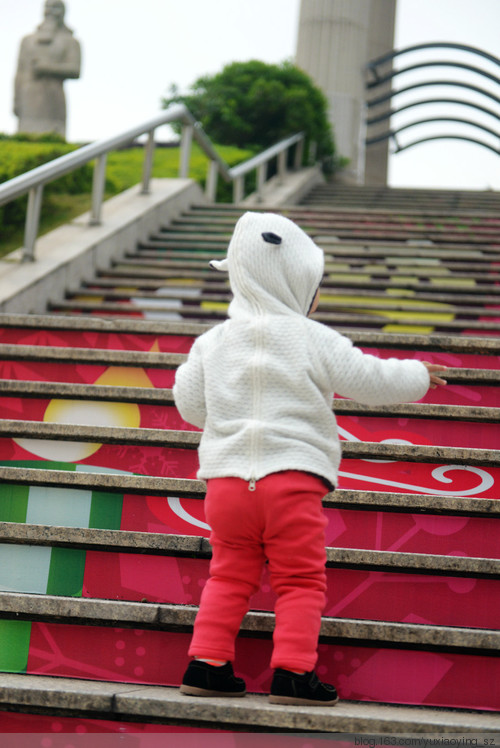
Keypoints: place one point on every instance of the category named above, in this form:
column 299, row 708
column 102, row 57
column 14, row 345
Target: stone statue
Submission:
column 46, row 58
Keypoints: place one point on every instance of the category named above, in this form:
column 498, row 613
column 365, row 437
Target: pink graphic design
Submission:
column 362, row 673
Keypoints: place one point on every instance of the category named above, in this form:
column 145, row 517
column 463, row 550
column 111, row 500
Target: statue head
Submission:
column 54, row 10
column 53, row 20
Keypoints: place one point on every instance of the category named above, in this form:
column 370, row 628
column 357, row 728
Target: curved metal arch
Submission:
column 463, row 102
column 460, row 84
column 447, row 137
column 392, row 133
column 435, row 63
column 430, row 45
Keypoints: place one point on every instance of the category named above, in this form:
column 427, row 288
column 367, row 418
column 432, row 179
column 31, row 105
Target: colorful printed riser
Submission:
column 444, row 601
column 71, row 732
column 151, row 416
column 386, row 323
column 455, row 360
column 183, row 343
column 365, row 673
column 419, row 431
column 86, row 374
column 351, row 428
column 101, row 340
column 377, row 475
column 347, row 528
column 62, row 732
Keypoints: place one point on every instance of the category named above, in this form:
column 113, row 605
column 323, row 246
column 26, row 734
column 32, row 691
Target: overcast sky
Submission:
column 134, row 50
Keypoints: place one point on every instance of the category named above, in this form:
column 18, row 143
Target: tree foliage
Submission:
column 255, row 104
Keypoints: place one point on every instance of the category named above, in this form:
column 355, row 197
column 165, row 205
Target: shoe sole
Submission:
column 195, row 691
column 295, row 701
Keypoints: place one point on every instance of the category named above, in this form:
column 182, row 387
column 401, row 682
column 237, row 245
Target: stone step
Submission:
column 154, row 359
column 368, row 318
column 391, row 303
column 101, row 285
column 406, row 216
column 91, row 356
column 126, row 326
column 162, row 705
column 332, row 246
column 417, row 219
column 122, row 541
column 187, row 488
column 167, row 258
column 354, row 198
column 173, row 291
column 414, row 199
column 147, row 437
column 384, row 227
column 173, row 618
column 449, row 284
column 441, row 271
column 398, row 264
column 217, row 221
column 164, row 397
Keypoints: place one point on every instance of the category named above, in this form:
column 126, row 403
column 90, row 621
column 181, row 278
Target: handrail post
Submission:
column 98, row 185
column 185, row 155
column 299, row 154
column 261, row 180
column 212, row 177
column 147, row 168
column 32, row 222
column 282, row 158
column 238, row 189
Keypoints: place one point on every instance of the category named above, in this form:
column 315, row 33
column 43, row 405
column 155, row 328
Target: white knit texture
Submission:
column 261, row 384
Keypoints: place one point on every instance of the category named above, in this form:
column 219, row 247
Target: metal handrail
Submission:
column 33, row 182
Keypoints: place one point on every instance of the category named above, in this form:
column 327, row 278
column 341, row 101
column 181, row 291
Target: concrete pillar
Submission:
column 336, row 38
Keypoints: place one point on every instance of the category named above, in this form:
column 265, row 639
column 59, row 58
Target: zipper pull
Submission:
column 251, row 485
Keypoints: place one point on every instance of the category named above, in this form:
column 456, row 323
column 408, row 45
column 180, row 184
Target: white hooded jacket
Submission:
column 261, row 384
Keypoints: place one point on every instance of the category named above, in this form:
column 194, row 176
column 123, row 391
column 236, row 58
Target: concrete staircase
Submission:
column 104, row 546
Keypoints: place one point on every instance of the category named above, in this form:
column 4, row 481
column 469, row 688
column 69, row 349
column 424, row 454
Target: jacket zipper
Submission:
column 257, row 388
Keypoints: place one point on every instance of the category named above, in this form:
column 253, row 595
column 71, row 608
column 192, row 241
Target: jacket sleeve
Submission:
column 189, row 388
column 371, row 380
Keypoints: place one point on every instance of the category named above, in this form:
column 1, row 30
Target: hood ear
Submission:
column 220, row 265
column 271, row 238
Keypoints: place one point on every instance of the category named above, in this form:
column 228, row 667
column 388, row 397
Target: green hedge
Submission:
column 18, row 156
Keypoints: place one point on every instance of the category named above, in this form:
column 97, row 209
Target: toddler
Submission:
column 261, row 386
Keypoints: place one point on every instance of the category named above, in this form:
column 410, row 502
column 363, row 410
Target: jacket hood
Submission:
column 274, row 267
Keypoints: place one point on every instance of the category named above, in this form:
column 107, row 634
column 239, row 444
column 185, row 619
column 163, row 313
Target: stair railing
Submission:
column 33, row 182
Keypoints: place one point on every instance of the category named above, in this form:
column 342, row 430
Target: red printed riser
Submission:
column 444, row 601
column 351, row 428
column 183, row 343
column 361, row 673
column 402, row 477
column 148, row 416
column 100, row 340
column 86, row 374
column 453, row 394
column 383, row 531
column 63, row 729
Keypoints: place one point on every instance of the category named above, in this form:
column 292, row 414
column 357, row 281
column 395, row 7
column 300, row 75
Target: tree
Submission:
column 255, row 104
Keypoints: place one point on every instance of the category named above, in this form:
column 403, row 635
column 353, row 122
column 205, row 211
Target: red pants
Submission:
column 281, row 521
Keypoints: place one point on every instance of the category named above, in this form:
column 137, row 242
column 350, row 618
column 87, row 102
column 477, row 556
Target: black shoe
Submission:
column 202, row 679
column 292, row 688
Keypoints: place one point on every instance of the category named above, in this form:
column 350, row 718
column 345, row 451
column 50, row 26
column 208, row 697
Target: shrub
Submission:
column 255, row 104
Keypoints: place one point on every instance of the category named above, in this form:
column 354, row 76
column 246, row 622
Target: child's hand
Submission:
column 432, row 368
